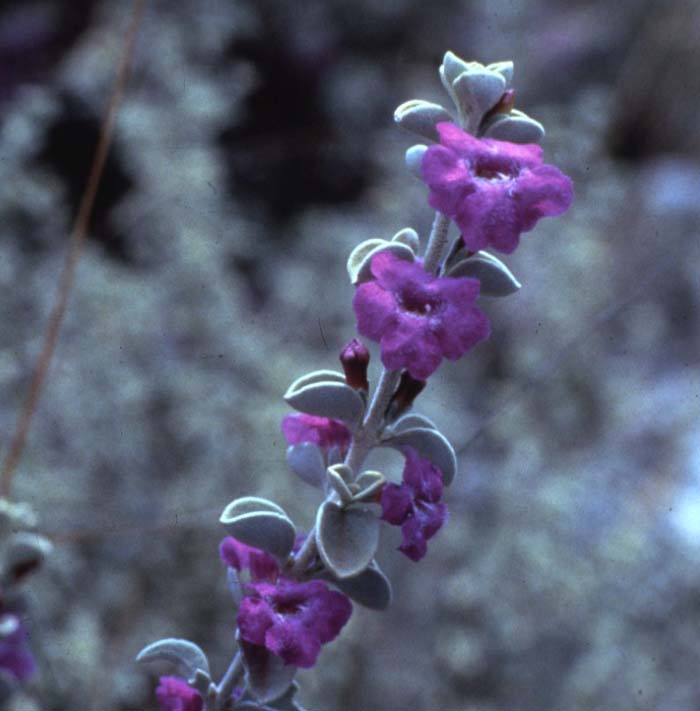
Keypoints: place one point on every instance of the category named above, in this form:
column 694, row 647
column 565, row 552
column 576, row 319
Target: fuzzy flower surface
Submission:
column 16, row 659
column 292, row 620
column 285, row 617
column 239, row 556
column 174, row 694
column 418, row 318
column 494, row 190
column 324, row 432
column 415, row 504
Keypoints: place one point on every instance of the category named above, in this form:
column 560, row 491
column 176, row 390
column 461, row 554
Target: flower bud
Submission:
column 408, row 390
column 505, row 104
column 355, row 359
column 414, row 157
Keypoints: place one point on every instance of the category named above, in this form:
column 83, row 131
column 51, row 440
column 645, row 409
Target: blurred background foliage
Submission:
column 254, row 149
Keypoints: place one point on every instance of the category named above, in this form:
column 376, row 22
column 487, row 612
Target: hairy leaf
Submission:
column 370, row 588
column 347, row 538
column 306, row 461
column 185, row 654
column 430, row 444
column 328, row 399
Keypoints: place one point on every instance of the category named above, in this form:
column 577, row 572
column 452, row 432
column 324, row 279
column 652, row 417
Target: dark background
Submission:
column 254, row 149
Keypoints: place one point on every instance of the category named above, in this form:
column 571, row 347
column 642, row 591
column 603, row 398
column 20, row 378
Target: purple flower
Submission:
column 279, row 615
column 321, row 431
column 291, row 619
column 15, row 657
column 237, row 555
column 174, row 694
column 415, row 504
column 418, row 318
column 493, row 190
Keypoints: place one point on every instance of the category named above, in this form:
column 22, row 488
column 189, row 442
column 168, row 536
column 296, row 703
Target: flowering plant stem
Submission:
column 436, row 243
column 366, row 437
column 421, row 311
column 227, row 683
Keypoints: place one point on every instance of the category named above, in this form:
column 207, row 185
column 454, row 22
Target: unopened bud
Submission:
column 355, row 359
column 409, row 389
column 505, row 104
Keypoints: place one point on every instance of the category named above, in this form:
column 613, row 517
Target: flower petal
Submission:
column 397, row 503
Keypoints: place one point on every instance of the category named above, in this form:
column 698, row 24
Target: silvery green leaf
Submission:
column 477, row 92
column 368, row 485
column 316, row 376
column 267, row 676
column 421, row 117
column 286, row 701
column 25, row 552
column 249, row 504
column 358, row 255
column 346, row 474
column 429, row 444
column 347, row 539
column 514, row 127
column 306, row 461
column 408, row 236
column 270, row 531
column 447, row 83
column 414, row 161
column 369, row 478
column 398, row 249
column 452, row 66
column 328, row 399
column 337, row 483
column 412, row 420
column 505, row 69
column 181, row 652
column 495, row 277
column 371, row 588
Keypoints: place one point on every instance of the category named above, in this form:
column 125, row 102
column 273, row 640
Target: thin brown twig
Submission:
column 118, row 526
column 77, row 239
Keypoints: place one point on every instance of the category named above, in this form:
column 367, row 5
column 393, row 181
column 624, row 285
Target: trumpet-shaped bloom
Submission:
column 415, row 504
column 418, row 318
column 292, row 620
column 239, row 556
column 174, row 694
column 493, row 190
column 324, row 432
column 280, row 615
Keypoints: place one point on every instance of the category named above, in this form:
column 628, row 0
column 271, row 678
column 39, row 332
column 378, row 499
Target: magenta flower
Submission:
column 174, row 694
column 493, row 190
column 324, row 432
column 291, row 619
column 280, row 615
column 415, row 504
column 418, row 318
column 16, row 659
column 237, row 555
